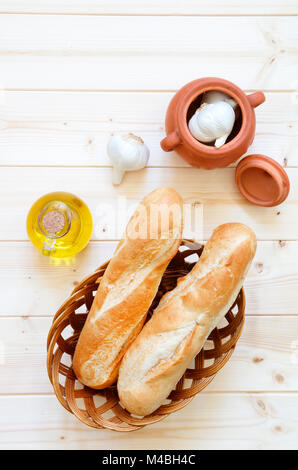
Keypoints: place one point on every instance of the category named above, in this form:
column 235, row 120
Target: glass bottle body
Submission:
column 59, row 224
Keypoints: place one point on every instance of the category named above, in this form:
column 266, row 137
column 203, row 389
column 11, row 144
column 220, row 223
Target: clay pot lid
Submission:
column 262, row 181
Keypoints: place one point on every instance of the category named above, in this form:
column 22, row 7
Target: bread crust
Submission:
column 184, row 318
column 128, row 287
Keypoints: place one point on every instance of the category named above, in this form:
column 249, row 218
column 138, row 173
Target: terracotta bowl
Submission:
column 184, row 104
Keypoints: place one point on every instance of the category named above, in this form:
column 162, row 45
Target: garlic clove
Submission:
column 197, row 126
column 127, row 152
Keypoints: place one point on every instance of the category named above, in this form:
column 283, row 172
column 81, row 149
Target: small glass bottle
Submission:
column 59, row 224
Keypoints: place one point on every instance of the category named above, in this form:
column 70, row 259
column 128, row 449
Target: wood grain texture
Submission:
column 72, row 72
column 72, row 129
column 44, row 283
column 215, row 191
column 101, row 53
column 118, row 111
column 210, row 421
column 267, row 351
column 149, row 7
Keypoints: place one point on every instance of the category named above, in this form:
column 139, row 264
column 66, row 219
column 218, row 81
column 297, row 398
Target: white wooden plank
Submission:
column 116, row 111
column 210, row 421
column 43, row 284
column 22, row 145
column 94, row 35
column 129, row 53
column 149, row 7
column 215, row 191
column 267, row 350
column 72, row 129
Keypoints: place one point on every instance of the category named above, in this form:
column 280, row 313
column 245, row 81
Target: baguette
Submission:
column 128, row 286
column 184, row 318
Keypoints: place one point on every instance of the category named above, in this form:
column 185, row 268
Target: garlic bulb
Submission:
column 127, row 153
column 214, row 119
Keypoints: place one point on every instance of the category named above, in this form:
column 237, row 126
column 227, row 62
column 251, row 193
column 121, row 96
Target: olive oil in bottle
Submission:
column 59, row 224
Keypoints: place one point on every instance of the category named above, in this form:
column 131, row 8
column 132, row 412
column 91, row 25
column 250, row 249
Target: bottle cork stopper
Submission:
column 53, row 221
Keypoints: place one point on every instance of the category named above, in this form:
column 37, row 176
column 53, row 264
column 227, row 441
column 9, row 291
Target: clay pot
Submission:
column 262, row 181
column 182, row 107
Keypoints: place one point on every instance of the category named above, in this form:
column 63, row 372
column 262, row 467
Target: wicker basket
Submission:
column 101, row 408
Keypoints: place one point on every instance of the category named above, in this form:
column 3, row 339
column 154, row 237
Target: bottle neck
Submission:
column 54, row 220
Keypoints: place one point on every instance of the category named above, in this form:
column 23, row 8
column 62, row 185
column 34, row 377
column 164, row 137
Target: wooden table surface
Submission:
column 71, row 73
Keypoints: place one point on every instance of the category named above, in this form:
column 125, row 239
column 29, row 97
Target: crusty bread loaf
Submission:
column 129, row 284
column 183, row 320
